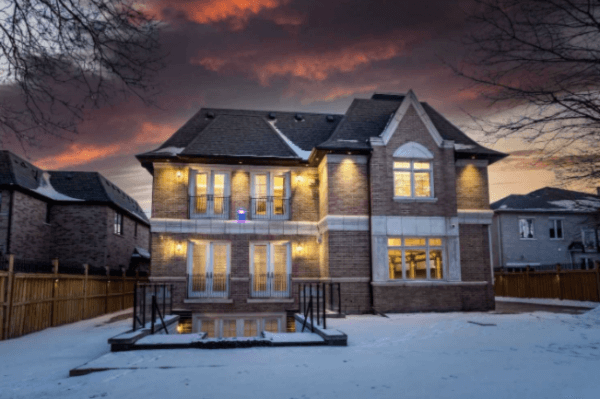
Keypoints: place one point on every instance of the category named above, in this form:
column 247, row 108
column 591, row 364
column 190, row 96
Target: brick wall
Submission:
column 323, row 189
column 411, row 128
column 170, row 191
column 472, row 186
column 30, row 235
column 347, row 186
column 305, row 195
column 475, row 253
column 349, row 254
column 120, row 247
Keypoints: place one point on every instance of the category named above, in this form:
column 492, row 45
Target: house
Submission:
column 390, row 200
column 77, row 217
column 548, row 226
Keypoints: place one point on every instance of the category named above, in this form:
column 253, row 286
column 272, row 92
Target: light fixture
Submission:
column 179, row 247
column 299, row 178
column 179, row 174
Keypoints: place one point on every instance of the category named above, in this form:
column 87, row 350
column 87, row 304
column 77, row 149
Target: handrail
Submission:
column 317, row 293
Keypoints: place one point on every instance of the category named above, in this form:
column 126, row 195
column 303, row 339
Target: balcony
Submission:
column 270, row 208
column 270, row 285
column 209, row 285
column 208, row 206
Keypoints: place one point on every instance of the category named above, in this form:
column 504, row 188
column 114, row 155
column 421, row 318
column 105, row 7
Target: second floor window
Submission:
column 589, row 239
column 525, row 228
column 556, row 229
column 118, row 227
column 270, row 195
column 412, row 179
column 209, row 194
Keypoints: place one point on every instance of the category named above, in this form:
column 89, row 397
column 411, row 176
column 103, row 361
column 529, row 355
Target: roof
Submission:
column 549, row 199
column 64, row 186
column 213, row 132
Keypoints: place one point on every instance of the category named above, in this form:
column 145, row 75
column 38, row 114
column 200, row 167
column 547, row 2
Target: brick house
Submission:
column 390, row 200
column 77, row 217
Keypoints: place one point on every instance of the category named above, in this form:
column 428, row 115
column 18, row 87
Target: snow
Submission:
column 549, row 301
column 434, row 355
column 585, row 205
column 292, row 337
column 169, row 339
column 299, row 152
column 143, row 252
column 463, row 146
column 45, row 188
column 170, row 150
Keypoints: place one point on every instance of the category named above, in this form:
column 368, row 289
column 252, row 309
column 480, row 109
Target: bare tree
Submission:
column 59, row 58
column 540, row 60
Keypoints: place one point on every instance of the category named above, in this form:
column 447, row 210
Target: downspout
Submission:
column 10, row 212
column 370, row 236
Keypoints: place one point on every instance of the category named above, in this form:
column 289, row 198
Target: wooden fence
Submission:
column 579, row 285
column 33, row 301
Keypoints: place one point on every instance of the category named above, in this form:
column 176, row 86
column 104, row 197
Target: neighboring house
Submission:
column 390, row 200
column 77, row 217
column 546, row 227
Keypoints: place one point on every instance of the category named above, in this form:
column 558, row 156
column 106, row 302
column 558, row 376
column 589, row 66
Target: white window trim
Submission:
column 562, row 228
column 193, row 172
column 118, row 221
column 412, row 170
column 519, row 228
column 270, row 257
column 271, row 174
column 209, row 266
column 427, row 248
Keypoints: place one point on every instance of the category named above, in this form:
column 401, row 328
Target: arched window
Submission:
column 413, row 171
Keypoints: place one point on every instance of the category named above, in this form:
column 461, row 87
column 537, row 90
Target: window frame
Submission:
column 555, row 222
column 209, row 263
column 210, row 189
column 584, row 232
column 411, row 170
column 271, row 259
column 532, row 227
column 118, row 224
column 427, row 248
column 270, row 174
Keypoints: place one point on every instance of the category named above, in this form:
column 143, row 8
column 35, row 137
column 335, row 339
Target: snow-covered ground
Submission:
column 549, row 301
column 449, row 355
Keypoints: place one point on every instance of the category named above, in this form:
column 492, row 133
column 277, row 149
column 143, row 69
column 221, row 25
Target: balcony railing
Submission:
column 208, row 206
column 270, row 285
column 209, row 285
column 273, row 208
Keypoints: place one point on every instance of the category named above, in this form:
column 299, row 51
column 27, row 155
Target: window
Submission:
column 272, row 325
column 270, row 195
column 208, row 326
column 526, row 228
column 118, row 223
column 208, row 269
column 556, row 229
column 209, row 194
column 250, row 328
column 586, row 263
column 413, row 179
column 416, row 258
column 270, row 265
column 229, row 328
column 589, row 240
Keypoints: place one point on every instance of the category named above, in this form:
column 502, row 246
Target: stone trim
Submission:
column 332, row 279
column 208, row 300
column 344, row 223
column 339, row 158
column 475, row 216
column 420, row 226
column 480, row 163
column 239, row 278
column 215, row 226
column 167, row 278
column 270, row 300
column 427, row 283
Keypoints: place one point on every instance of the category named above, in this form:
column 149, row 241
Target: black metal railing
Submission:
column 208, row 206
column 150, row 301
column 209, row 285
column 274, row 208
column 270, row 285
column 319, row 299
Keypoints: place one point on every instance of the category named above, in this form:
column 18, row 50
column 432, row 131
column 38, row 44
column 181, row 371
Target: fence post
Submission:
column 85, row 289
column 107, row 288
column 123, row 288
column 598, row 280
column 527, row 290
column 560, row 291
column 9, row 296
column 54, row 291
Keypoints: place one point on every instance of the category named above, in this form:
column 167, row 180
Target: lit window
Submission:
column 555, row 229
column 229, row 329
column 271, row 325
column 417, row 259
column 209, row 194
column 526, row 228
column 270, row 195
column 208, row 269
column 118, row 227
column 270, row 265
column 250, row 329
column 413, row 179
column 208, row 326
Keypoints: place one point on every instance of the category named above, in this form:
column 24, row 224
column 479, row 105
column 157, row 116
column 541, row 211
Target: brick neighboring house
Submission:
column 390, row 200
column 546, row 227
column 77, row 217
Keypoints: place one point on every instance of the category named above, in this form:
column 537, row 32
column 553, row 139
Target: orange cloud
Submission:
column 78, row 154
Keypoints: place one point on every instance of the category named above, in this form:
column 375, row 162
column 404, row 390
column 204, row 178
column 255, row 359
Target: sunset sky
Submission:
column 305, row 55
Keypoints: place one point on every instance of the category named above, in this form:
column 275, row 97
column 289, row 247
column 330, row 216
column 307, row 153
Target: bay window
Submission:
column 415, row 258
column 209, row 194
column 208, row 269
column 270, row 195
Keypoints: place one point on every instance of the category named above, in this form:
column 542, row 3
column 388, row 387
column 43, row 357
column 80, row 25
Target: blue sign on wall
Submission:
column 241, row 215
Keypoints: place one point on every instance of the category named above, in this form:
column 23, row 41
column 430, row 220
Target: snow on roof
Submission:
column 45, row 188
column 170, row 150
column 463, row 146
column 143, row 252
column 590, row 204
column 300, row 152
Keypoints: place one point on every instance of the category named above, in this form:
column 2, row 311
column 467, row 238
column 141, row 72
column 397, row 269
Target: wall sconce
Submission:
column 179, row 248
column 179, row 174
column 299, row 179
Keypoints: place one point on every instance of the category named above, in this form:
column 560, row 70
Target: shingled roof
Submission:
column 549, row 199
column 64, row 186
column 213, row 132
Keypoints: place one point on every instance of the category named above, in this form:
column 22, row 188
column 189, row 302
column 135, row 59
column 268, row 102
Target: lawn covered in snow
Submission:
column 449, row 355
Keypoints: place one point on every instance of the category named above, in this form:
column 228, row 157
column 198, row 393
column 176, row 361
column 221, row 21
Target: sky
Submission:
column 305, row 55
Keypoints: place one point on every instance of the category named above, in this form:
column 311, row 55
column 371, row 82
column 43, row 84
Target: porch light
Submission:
column 179, row 248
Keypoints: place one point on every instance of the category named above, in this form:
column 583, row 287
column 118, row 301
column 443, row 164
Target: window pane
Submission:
column 395, row 259
column 551, row 229
column 260, row 185
column 401, row 165
column 201, row 191
column 219, row 193
column 526, row 228
column 219, row 268
column 199, row 268
column 559, row 229
column 435, row 263
column 416, row 264
column 229, row 328
column 279, row 186
column 402, row 184
column 422, row 165
column 414, row 242
column 260, row 268
column 435, row 242
column 250, row 329
column 422, row 184
column 280, row 253
column 208, row 326
column 271, row 325
column 589, row 240
column 394, row 242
